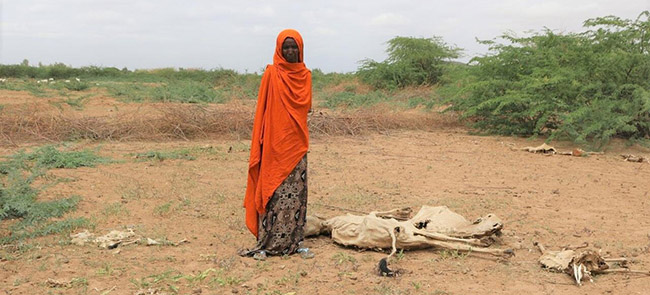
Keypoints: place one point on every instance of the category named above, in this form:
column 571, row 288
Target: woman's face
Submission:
column 290, row 50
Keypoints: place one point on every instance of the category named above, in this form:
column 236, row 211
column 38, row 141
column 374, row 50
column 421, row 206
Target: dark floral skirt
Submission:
column 281, row 227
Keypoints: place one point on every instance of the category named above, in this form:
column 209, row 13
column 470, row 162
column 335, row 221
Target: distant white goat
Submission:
column 67, row 81
column 78, row 80
column 2, row 80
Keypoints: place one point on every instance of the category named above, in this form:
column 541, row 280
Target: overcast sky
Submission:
column 241, row 34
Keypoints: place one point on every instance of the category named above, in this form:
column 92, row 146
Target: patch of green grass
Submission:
column 131, row 191
column 183, row 154
column 163, row 209
column 342, row 257
column 50, row 157
column 75, row 85
column 78, row 103
column 106, row 270
column 155, row 279
column 115, row 209
column 347, row 99
column 19, row 198
column 185, row 91
column 453, row 254
column 65, row 226
column 197, row 278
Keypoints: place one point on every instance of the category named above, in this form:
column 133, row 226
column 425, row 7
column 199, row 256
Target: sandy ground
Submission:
column 557, row 200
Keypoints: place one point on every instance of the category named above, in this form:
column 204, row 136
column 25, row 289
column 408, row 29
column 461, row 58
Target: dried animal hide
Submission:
column 580, row 265
column 542, row 149
column 549, row 150
column 633, row 158
column 436, row 227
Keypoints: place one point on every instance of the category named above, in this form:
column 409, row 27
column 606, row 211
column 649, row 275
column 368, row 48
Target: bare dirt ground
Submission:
column 558, row 200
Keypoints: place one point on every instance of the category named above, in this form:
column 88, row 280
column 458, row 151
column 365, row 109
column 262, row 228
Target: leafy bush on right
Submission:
column 587, row 87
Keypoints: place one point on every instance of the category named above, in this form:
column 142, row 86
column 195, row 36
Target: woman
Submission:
column 276, row 193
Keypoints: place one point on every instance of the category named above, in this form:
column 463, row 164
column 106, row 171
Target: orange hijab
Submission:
column 280, row 135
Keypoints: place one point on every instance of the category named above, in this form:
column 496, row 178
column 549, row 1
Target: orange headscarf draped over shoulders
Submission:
column 280, row 135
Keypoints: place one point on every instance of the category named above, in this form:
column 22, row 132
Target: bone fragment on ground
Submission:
column 543, row 148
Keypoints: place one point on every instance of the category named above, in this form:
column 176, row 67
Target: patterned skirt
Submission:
column 281, row 227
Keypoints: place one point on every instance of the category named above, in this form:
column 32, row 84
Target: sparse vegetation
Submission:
column 186, row 195
column 18, row 196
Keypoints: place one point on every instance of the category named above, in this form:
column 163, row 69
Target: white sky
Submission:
column 241, row 34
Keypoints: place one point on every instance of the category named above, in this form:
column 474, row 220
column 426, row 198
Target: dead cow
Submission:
column 431, row 227
column 581, row 264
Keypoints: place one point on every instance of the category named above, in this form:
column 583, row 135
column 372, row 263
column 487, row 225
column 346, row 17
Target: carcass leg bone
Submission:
column 446, row 238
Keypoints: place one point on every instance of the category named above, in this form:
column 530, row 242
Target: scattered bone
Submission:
column 581, row 265
column 117, row 238
column 549, row 150
column 152, row 242
column 633, row 158
column 81, row 238
column 541, row 149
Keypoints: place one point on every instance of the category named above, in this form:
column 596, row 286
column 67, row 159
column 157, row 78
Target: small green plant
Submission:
column 400, row 255
column 163, row 209
column 453, row 254
column 196, row 278
column 77, row 103
column 115, row 209
column 183, row 154
column 75, row 85
column 342, row 257
column 50, row 157
column 416, row 285
column 131, row 191
column 290, row 278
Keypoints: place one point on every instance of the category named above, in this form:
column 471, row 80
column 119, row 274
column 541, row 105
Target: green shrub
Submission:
column 76, row 85
column 347, row 99
column 49, row 157
column 19, row 198
column 411, row 61
column 587, row 87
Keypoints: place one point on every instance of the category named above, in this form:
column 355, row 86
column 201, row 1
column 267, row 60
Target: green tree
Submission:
column 587, row 87
column 411, row 61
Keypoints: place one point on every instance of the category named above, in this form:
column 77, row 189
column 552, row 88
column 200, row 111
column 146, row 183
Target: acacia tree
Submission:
column 411, row 61
column 587, row 86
